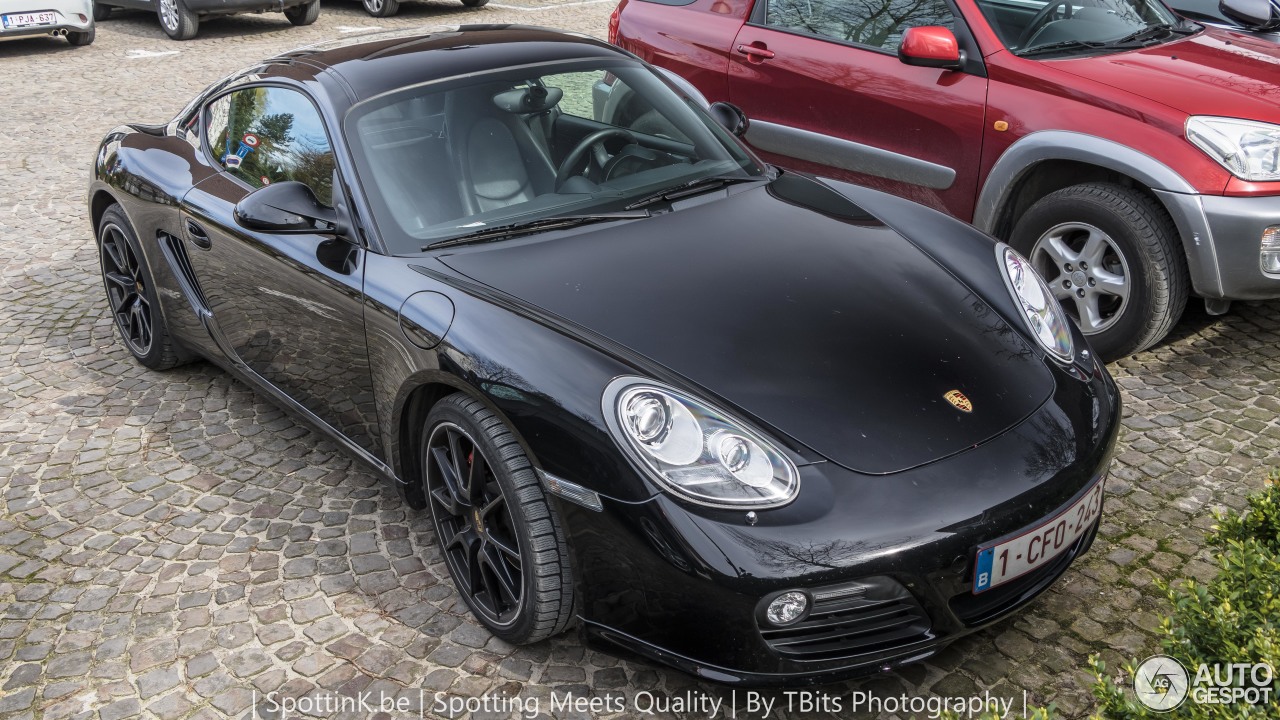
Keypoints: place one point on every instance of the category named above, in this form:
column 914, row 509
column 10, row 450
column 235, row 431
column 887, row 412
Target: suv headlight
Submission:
column 1043, row 313
column 695, row 450
column 1250, row 150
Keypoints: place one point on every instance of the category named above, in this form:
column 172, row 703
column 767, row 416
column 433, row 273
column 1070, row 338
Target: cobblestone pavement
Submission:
column 172, row 544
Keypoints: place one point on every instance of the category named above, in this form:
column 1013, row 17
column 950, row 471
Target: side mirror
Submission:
column 931, row 46
column 285, row 208
column 1253, row 14
column 730, row 117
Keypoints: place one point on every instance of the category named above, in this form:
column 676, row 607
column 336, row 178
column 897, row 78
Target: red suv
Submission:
column 1133, row 155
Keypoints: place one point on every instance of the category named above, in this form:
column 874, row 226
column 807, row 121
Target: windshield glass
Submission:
column 1029, row 27
column 461, row 157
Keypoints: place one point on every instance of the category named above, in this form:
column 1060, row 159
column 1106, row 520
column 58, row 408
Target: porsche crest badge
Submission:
column 959, row 400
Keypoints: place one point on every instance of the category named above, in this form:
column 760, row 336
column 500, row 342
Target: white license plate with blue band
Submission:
column 14, row 20
column 1011, row 559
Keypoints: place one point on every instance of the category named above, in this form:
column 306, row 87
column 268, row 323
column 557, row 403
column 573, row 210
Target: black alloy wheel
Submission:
column 499, row 536
column 476, row 530
column 131, row 293
column 126, row 290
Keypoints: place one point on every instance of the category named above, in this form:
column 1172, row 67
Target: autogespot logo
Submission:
column 1160, row 683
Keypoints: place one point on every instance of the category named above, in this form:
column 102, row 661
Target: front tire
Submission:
column 101, row 12
column 177, row 20
column 498, row 533
column 381, row 8
column 131, row 293
column 1112, row 256
column 80, row 39
column 304, row 14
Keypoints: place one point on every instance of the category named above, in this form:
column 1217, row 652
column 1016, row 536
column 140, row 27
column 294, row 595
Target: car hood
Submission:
column 793, row 304
column 1214, row 72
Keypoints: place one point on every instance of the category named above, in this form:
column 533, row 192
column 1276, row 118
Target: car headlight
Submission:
column 695, row 450
column 1250, row 150
column 1043, row 313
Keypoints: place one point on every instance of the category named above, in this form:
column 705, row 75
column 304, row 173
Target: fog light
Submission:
column 1269, row 258
column 787, row 608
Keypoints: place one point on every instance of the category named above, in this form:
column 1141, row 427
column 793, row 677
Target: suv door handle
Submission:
column 198, row 236
column 756, row 52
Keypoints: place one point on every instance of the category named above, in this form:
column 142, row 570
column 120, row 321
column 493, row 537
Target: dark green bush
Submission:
column 1231, row 619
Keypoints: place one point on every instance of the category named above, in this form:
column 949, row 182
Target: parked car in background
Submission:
column 1257, row 16
column 761, row 427
column 1132, row 155
column 181, row 19
column 387, row 8
column 72, row 19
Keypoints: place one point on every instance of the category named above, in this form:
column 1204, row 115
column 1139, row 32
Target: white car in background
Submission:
column 72, row 19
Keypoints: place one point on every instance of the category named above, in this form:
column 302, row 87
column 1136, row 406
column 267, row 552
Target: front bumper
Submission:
column 686, row 587
column 1223, row 236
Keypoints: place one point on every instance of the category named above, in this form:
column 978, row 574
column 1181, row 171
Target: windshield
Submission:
column 518, row 147
column 1035, row 27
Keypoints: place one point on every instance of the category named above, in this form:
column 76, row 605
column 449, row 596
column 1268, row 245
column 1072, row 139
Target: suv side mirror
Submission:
column 931, row 46
column 1253, row 14
column 730, row 117
column 286, row 208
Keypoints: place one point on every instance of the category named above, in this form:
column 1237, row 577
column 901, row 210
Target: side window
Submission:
column 269, row 134
column 580, row 91
column 875, row 23
column 601, row 96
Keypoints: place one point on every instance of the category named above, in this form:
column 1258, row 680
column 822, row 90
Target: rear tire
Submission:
column 177, row 20
column 101, row 12
column 381, row 8
column 489, row 509
column 303, row 14
column 1132, row 285
column 80, row 39
column 131, row 293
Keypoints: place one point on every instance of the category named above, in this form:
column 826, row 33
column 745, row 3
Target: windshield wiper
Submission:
column 691, row 187
column 1061, row 45
column 554, row 222
column 1151, row 32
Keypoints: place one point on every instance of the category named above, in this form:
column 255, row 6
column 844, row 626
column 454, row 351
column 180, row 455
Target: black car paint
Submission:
column 816, row 303
column 679, row 583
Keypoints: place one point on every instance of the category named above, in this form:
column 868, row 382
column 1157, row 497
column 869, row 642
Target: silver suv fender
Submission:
column 1180, row 199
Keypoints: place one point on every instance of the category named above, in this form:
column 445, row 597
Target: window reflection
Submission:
column 877, row 23
column 264, row 135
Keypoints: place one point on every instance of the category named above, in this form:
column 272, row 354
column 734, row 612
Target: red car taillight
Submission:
column 613, row 25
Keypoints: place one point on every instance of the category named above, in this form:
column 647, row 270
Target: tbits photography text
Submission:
column 419, row 704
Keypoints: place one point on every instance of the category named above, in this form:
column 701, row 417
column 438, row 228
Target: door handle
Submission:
column 199, row 237
column 756, row 52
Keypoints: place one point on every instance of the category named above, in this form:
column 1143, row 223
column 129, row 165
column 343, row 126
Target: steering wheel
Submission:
column 1041, row 19
column 575, row 155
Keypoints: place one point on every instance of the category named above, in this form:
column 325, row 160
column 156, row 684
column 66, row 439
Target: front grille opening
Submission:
column 870, row 616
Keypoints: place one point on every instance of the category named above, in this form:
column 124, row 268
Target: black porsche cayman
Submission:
column 765, row 428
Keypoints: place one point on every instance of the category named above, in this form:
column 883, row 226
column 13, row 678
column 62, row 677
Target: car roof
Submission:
column 380, row 62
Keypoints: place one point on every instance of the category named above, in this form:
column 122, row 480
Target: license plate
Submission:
column 1010, row 559
column 27, row 19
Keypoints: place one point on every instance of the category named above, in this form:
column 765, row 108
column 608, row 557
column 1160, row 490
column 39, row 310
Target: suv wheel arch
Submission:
column 1046, row 161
